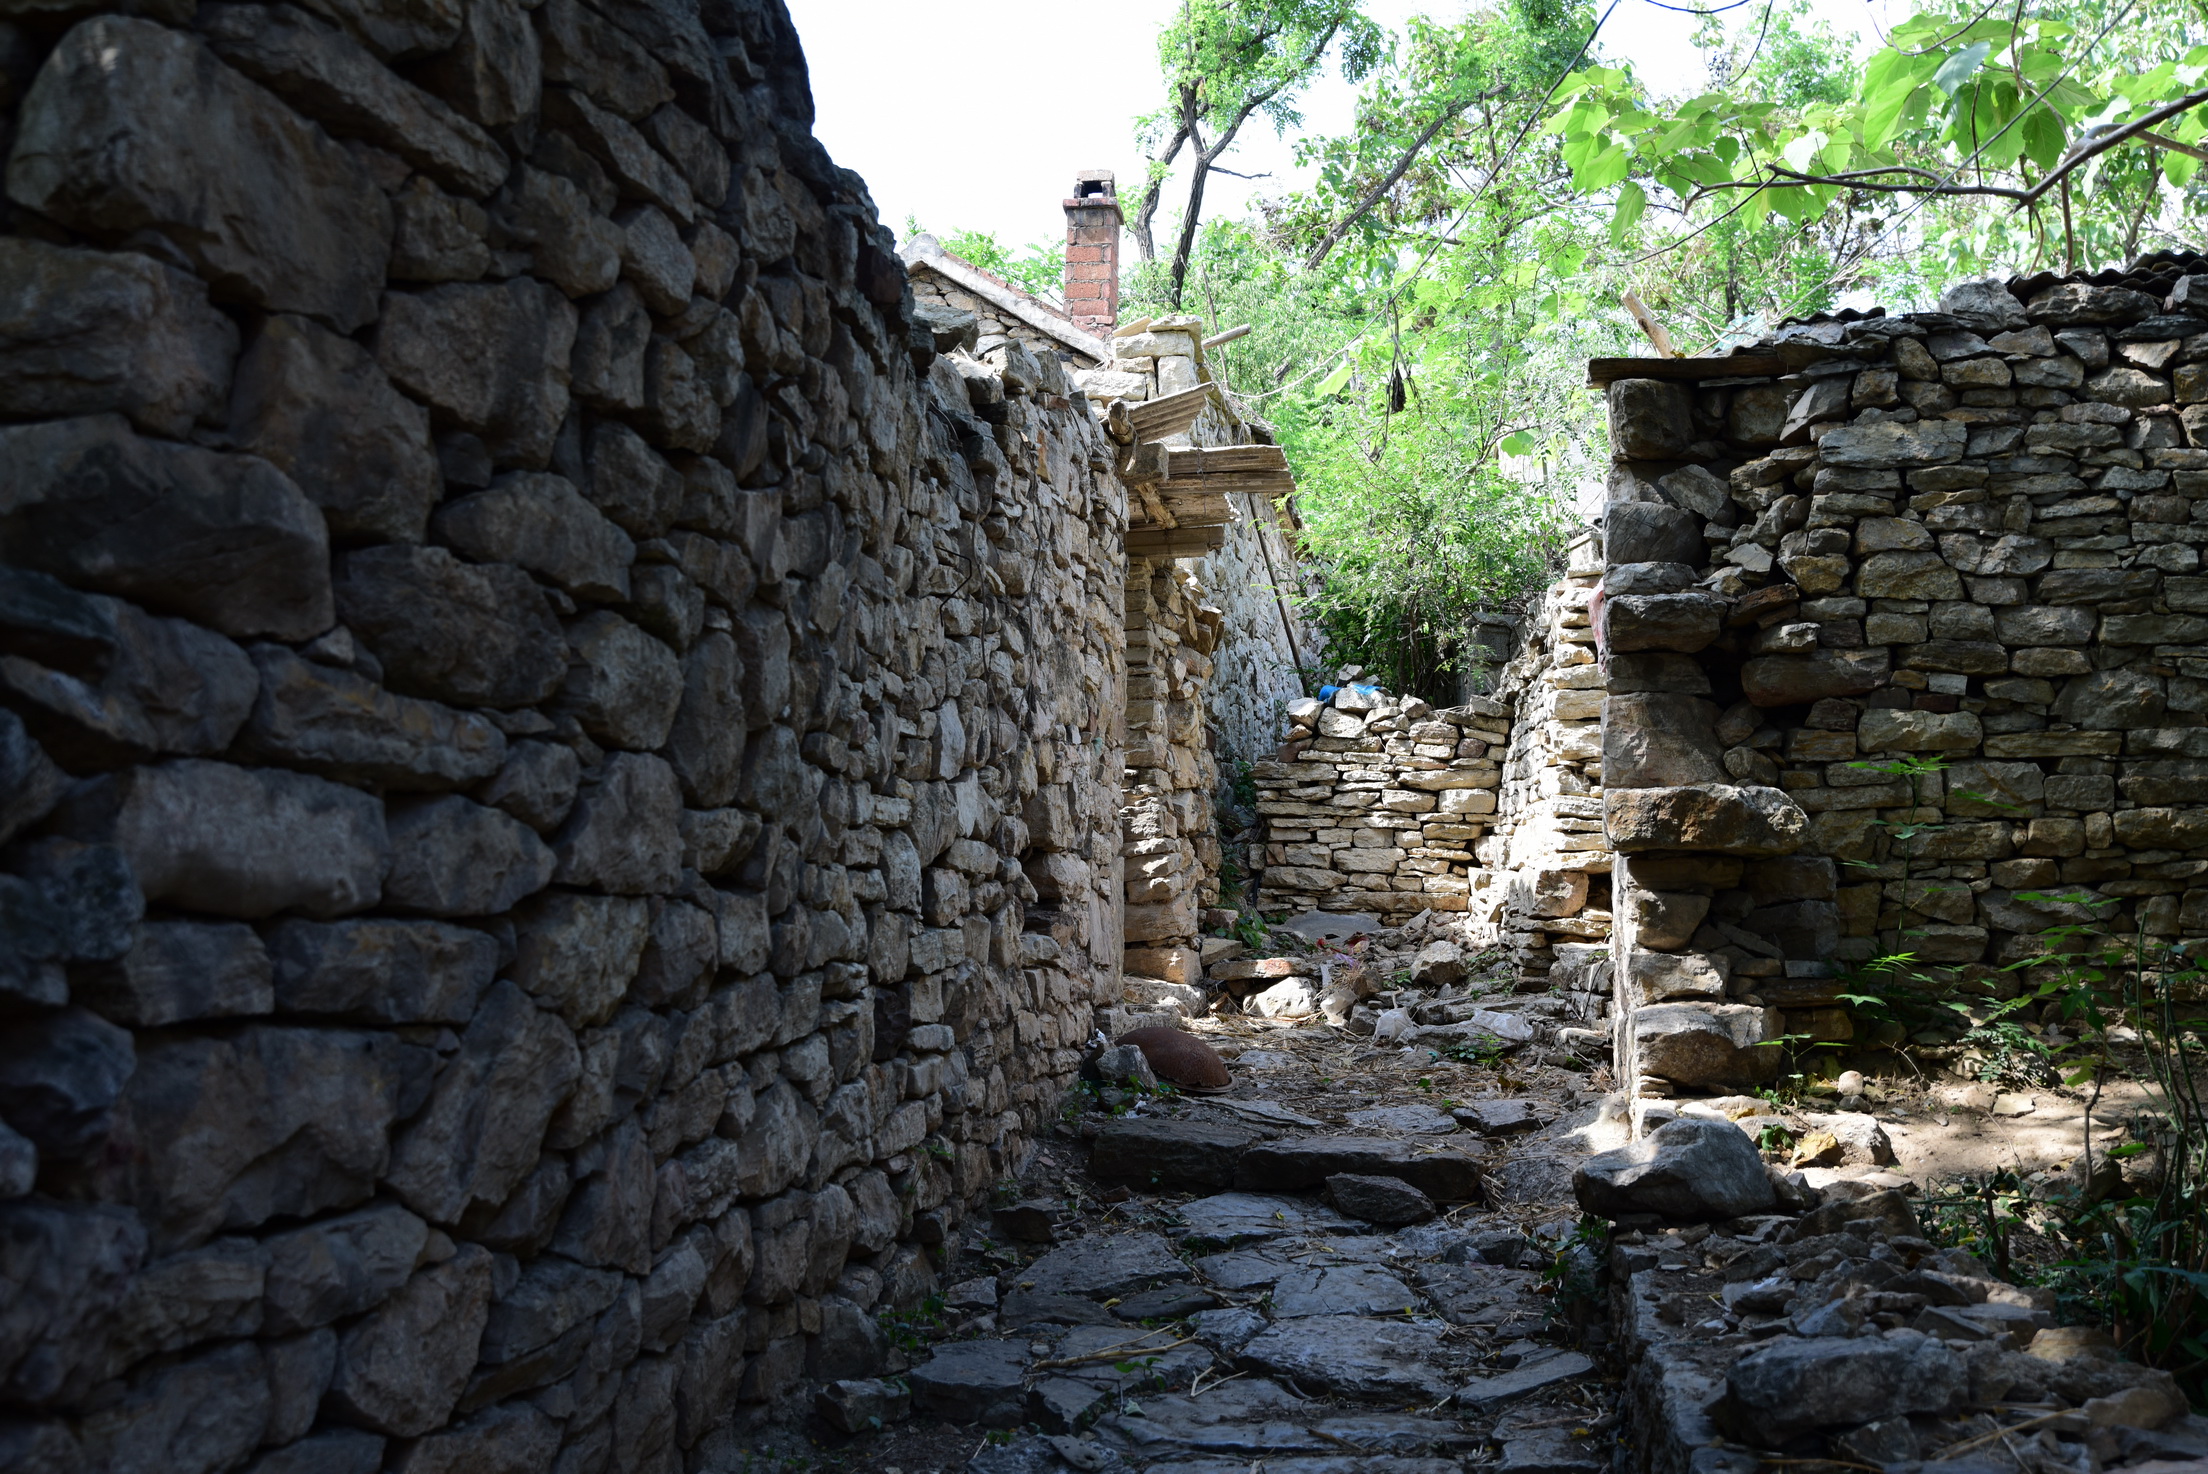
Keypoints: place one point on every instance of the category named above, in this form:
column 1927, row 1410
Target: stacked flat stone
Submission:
column 1970, row 535
column 1373, row 803
column 561, row 773
column 1543, row 893
column 1169, row 841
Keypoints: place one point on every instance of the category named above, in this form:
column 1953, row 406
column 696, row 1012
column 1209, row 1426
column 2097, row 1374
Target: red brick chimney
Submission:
column 1092, row 252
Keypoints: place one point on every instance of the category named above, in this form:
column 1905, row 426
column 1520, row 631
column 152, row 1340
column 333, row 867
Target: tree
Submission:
column 1225, row 62
column 2048, row 135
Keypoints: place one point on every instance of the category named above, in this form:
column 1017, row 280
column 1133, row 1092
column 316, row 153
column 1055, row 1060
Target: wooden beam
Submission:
column 1206, row 460
column 1157, row 418
column 1190, row 542
column 1264, row 483
column 1195, row 508
column 1606, row 371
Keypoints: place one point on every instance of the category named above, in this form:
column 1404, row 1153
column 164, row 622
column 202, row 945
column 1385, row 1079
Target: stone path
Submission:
column 1225, row 1311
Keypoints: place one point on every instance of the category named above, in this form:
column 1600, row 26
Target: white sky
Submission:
column 974, row 114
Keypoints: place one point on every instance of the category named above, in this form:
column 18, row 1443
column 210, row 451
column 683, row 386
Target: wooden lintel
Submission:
column 1191, row 507
column 1606, row 371
column 1212, row 459
column 1178, row 542
column 1264, row 483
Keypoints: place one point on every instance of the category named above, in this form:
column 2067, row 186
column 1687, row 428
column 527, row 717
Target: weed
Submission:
column 909, row 1330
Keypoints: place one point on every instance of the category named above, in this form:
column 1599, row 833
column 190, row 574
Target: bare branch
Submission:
column 1388, row 181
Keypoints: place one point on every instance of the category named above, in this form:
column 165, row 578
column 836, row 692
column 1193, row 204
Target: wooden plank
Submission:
column 1158, row 418
column 1210, row 459
column 1192, row 508
column 1178, row 542
column 1264, row 483
column 1605, row 371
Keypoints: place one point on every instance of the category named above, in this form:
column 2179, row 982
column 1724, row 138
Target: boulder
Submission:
column 401, row 1371
column 1666, row 920
column 540, row 522
column 1793, row 1385
column 1658, row 976
column 451, row 856
column 624, row 686
column 381, row 971
column 974, row 1382
column 1753, row 822
column 338, row 723
column 1686, row 1169
column 1105, row 1264
column 61, row 1075
column 178, row 971
column 1438, row 964
column 1180, row 1057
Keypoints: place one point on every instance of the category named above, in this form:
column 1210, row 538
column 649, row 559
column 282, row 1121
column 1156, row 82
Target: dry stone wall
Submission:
column 1374, row 802
column 1963, row 540
column 560, row 762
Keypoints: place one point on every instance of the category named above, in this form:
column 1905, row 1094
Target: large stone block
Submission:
column 340, row 1267
column 577, row 954
column 1660, row 741
column 1685, row 1169
column 1792, row 680
column 477, row 636
column 1650, row 532
column 317, row 407
column 330, row 77
column 1919, row 731
column 382, row 972
column 340, row 724
column 624, row 834
column 451, row 856
column 66, row 1268
column 1707, row 1045
column 542, row 523
column 1716, row 817
column 402, row 1370
column 1650, row 419
column 130, row 126
column 1920, row 575
column 483, row 1128
column 238, row 841
column 60, row 1077
column 169, row 687
column 226, row 540
column 705, row 746
column 1681, row 622
column 178, row 971
column 623, row 685
column 492, row 358
column 87, row 331
column 1887, row 444
column 266, row 1122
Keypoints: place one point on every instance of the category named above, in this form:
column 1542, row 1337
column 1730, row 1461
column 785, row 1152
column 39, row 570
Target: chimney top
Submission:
column 1092, row 251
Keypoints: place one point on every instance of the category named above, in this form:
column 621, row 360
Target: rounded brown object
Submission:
column 1182, row 1058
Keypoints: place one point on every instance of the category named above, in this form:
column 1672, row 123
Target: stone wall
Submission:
column 561, row 763
column 1170, row 843
column 1374, row 802
column 1965, row 541
column 1543, row 892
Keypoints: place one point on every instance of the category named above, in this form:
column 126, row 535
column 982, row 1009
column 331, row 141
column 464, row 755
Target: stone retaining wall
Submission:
column 561, row 763
column 1373, row 803
column 1966, row 539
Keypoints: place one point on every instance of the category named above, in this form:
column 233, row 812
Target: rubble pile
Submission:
column 1760, row 1318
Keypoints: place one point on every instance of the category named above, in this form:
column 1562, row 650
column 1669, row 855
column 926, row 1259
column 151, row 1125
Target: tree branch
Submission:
column 1388, row 181
column 1152, row 191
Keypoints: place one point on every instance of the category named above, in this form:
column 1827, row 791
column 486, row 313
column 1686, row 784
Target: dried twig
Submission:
column 1136, row 1346
column 1955, row 1448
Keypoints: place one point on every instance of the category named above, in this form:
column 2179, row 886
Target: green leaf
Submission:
column 1960, row 67
column 1604, row 169
column 1632, row 201
column 2044, row 136
column 1888, row 83
column 1518, row 443
column 1333, row 382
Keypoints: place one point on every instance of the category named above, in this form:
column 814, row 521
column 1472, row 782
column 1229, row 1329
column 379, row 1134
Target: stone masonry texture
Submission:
column 562, row 802
column 1905, row 651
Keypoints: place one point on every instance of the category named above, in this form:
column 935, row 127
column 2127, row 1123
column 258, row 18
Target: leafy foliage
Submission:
column 1038, row 268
